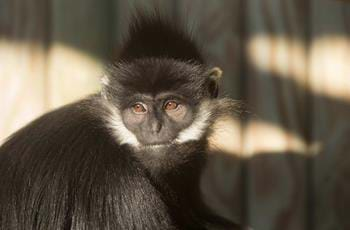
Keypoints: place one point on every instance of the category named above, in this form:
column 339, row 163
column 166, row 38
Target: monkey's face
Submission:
column 157, row 120
column 159, row 101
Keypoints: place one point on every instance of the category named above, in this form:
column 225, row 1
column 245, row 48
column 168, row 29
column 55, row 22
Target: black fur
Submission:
column 66, row 170
column 153, row 36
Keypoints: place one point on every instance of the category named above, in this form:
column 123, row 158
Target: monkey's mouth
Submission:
column 156, row 145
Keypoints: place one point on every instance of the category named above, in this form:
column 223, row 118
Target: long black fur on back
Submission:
column 66, row 170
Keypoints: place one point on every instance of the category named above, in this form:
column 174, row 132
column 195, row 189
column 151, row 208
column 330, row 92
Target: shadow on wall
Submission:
column 275, row 187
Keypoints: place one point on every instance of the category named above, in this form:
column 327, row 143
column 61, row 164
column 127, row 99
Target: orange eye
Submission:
column 171, row 105
column 139, row 108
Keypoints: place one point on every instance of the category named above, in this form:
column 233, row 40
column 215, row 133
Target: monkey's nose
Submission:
column 156, row 127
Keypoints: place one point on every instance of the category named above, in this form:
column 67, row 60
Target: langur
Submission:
column 127, row 157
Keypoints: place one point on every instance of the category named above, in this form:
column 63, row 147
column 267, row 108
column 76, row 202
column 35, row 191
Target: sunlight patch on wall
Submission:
column 34, row 80
column 259, row 137
column 329, row 69
column 22, row 70
column 263, row 137
column 226, row 136
column 72, row 74
column 280, row 56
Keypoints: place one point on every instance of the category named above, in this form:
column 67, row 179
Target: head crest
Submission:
column 153, row 36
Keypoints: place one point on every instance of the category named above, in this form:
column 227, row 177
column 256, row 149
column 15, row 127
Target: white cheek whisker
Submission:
column 115, row 123
column 104, row 83
column 105, row 80
column 199, row 126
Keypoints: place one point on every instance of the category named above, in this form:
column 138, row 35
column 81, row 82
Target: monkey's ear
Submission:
column 215, row 75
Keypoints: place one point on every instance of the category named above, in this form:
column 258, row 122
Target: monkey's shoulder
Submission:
column 68, row 159
column 74, row 127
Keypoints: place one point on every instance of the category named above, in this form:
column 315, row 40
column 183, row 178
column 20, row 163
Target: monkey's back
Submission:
column 65, row 171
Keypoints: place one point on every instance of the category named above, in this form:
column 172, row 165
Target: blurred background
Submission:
column 286, row 165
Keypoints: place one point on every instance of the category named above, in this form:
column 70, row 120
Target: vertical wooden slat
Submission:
column 274, row 135
column 330, row 86
column 23, row 41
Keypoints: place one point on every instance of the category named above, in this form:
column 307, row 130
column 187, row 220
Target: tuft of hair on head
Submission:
column 153, row 35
